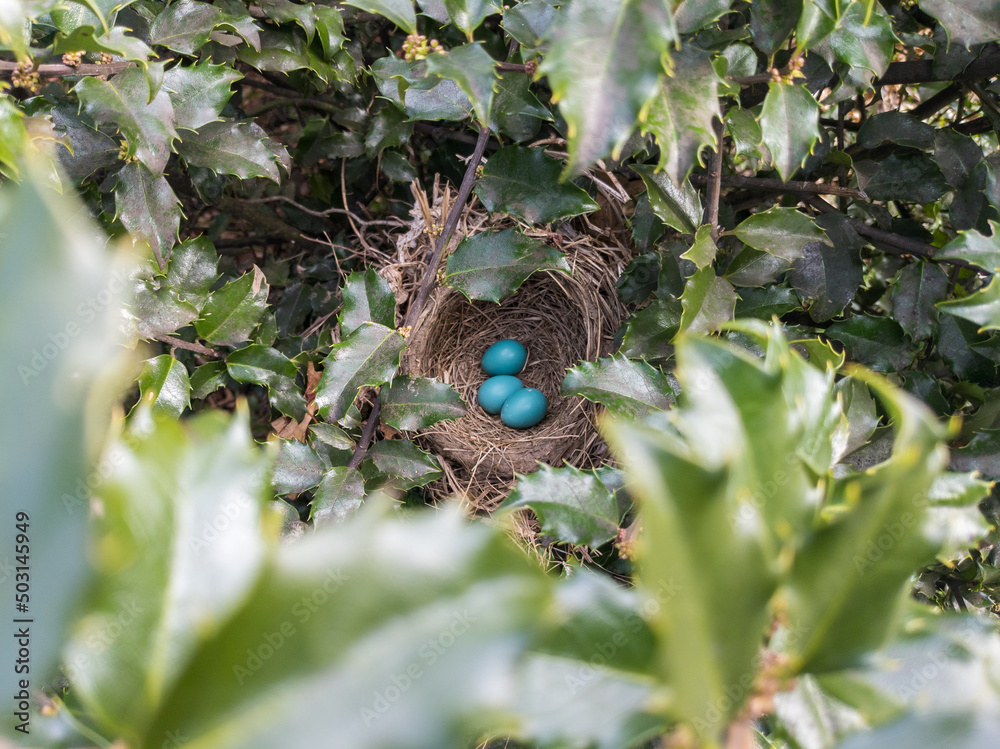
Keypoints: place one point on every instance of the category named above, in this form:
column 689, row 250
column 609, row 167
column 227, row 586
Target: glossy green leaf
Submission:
column 163, row 303
column 628, row 389
column 682, row 113
column 368, row 356
column 517, row 112
column 524, row 182
column 707, row 302
column 230, row 147
column 400, row 12
column 366, row 298
column 649, row 331
column 233, row 311
column 261, row 365
column 860, row 417
column 603, row 64
column 297, row 469
column 678, row 207
column 915, row 291
column 472, row 68
column 876, row 342
column 967, row 22
column 771, row 21
column 284, row 50
column 493, row 265
column 180, row 555
column 339, row 496
column 198, row 92
column 285, row 11
column 765, row 303
column 208, row 378
column 975, row 248
column 13, row 137
column 186, row 26
column 913, row 177
column 981, row 307
column 414, row 403
column 55, row 351
column 164, row 382
column 147, row 206
column 746, row 133
column 692, row 15
column 827, row 276
column 703, row 250
column 123, row 102
column 895, row 127
column 528, row 22
column 400, row 464
column 861, row 41
column 115, row 42
column 421, row 97
column 332, row 435
column 789, row 124
column 571, row 505
column 818, row 20
column 469, row 14
column 782, row 232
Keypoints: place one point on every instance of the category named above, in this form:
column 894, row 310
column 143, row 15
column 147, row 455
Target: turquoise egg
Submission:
column 495, row 391
column 524, row 408
column 506, row 357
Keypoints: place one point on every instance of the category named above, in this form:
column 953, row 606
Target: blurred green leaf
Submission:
column 524, row 182
column 232, row 312
column 571, row 505
column 368, row 356
column 981, row 307
column 164, row 382
column 604, row 63
column 493, row 265
column 366, row 298
column 628, row 389
column 414, row 403
column 975, row 248
column 967, row 22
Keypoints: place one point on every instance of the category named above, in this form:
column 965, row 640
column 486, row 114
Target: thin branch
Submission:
column 894, row 244
column 715, row 182
column 321, row 214
column 776, row 185
column 58, row 70
column 187, row 345
column 413, row 314
column 366, row 434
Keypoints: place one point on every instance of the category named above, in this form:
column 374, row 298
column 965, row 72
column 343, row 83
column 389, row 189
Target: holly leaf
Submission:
column 649, row 331
column 863, row 40
column 677, row 206
column 400, row 12
column 401, row 464
column 186, row 26
column 913, row 177
column 703, row 250
column 627, row 388
column 517, row 113
column 231, row 147
column 366, row 298
column 765, row 303
column 421, row 97
column 528, row 22
column 297, row 469
column 164, row 382
column 981, row 307
column 967, row 22
column 915, row 291
column 524, row 182
column 771, row 21
column 681, row 114
column 472, row 68
column 876, row 342
column 975, row 248
column 162, row 303
column 895, row 127
column 123, row 102
column 368, row 356
column 261, row 365
column 114, row 42
column 707, row 302
column 208, row 378
column 604, row 64
column 283, row 50
column 789, row 124
column 493, row 265
column 827, row 276
column 199, row 92
column 414, row 403
column 147, row 206
column 338, row 498
column 469, row 14
column 233, row 311
column 781, row 232
column 571, row 505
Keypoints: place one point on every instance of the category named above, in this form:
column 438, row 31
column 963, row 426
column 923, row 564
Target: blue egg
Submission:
column 506, row 357
column 524, row 408
column 494, row 392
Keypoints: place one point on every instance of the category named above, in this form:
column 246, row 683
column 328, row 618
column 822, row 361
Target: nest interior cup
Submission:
column 559, row 320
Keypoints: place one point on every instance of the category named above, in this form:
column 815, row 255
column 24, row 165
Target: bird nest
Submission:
column 561, row 319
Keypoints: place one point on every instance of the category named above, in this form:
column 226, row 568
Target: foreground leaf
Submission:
column 368, row 356
column 627, row 388
column 571, row 505
column 603, row 64
column 493, row 265
column 414, row 403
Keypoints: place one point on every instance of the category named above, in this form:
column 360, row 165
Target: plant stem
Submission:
column 765, row 183
column 188, row 346
column 715, row 183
